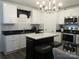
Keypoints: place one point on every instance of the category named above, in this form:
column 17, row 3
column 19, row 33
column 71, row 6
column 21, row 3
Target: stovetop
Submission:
column 69, row 31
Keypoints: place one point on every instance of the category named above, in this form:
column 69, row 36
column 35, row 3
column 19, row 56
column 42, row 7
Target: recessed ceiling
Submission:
column 32, row 3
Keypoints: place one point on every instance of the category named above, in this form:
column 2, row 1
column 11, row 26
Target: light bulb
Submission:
column 40, row 6
column 37, row 3
column 54, row 1
column 5, row 4
column 54, row 7
column 71, row 17
column 46, row 8
column 60, row 4
column 43, row 2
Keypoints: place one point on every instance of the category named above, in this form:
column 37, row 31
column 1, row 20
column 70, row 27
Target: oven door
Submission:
column 67, row 37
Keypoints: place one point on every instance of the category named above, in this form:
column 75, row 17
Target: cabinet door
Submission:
column 14, row 42
column 36, row 16
column 1, row 45
column 17, row 38
column 60, row 18
column 10, row 43
column 9, row 13
column 50, row 22
column 74, row 11
column 58, row 38
column 22, row 41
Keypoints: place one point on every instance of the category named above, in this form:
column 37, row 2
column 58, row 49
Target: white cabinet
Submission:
column 10, row 43
column 68, row 12
column 61, row 14
column 21, row 41
column 58, row 38
column 9, row 13
column 60, row 17
column 37, row 16
column 49, row 22
column 73, row 11
column 14, row 42
column 1, row 45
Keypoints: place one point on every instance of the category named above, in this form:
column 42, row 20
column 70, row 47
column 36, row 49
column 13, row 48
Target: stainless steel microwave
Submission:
column 71, row 20
column 68, row 37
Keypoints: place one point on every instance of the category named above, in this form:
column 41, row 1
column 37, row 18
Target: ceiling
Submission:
column 32, row 3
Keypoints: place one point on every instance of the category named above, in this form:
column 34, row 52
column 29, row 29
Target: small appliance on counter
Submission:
column 60, row 27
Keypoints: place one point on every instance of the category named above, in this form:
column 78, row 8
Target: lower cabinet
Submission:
column 14, row 42
column 58, row 38
column 21, row 41
column 10, row 45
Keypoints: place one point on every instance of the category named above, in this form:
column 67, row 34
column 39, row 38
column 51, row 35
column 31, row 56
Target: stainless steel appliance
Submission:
column 69, row 42
column 68, row 37
column 71, row 20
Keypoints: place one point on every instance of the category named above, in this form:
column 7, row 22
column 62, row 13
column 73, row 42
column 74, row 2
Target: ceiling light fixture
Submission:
column 49, row 5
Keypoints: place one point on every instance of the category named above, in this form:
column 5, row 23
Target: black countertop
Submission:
column 69, row 31
column 14, row 32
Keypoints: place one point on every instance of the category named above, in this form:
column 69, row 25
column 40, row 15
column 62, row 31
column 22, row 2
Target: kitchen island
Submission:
column 39, row 46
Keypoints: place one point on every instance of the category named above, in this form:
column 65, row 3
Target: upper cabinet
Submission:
column 60, row 17
column 67, row 13
column 37, row 17
column 50, row 22
column 74, row 11
column 9, row 13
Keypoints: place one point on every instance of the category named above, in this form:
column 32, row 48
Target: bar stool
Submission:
column 44, row 52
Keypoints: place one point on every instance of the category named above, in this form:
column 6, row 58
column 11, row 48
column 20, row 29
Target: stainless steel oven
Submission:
column 68, row 37
column 69, row 42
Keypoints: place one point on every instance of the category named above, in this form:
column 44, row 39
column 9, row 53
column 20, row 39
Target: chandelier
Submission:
column 49, row 5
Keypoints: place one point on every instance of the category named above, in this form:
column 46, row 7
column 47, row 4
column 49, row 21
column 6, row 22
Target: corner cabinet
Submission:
column 9, row 13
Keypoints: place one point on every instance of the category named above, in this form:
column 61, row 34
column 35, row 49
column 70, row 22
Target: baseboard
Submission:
column 6, row 53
